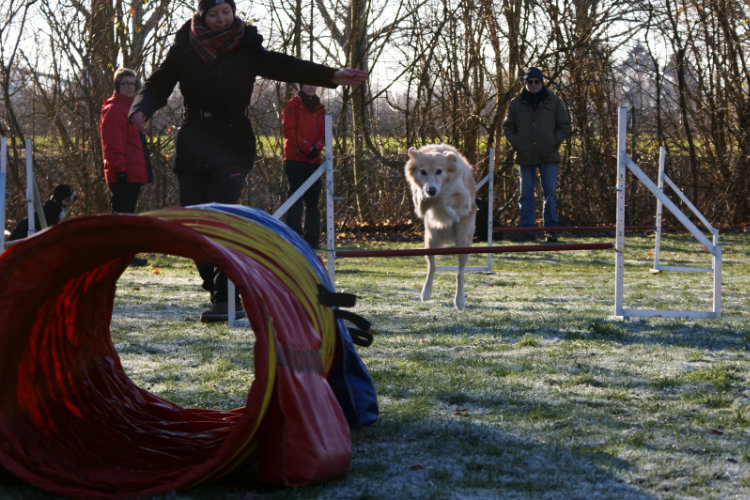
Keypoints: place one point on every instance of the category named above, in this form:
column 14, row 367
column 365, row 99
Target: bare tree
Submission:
column 14, row 81
column 71, row 65
column 442, row 70
column 354, row 33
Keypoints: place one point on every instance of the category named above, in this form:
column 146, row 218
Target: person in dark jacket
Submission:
column 215, row 58
column 304, row 138
column 123, row 149
column 536, row 125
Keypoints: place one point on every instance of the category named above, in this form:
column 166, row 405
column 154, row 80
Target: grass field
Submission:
column 534, row 391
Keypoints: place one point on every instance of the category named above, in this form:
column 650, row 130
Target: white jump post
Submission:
column 490, row 203
column 663, row 177
column 623, row 163
column 3, row 172
column 327, row 167
column 39, row 207
column 622, row 120
column 30, row 189
column 330, row 216
column 660, row 185
column 33, row 200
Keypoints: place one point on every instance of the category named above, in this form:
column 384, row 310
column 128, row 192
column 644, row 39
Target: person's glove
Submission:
column 122, row 177
column 314, row 152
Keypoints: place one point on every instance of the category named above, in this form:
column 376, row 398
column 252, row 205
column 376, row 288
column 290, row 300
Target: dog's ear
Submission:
column 452, row 163
column 413, row 153
column 61, row 192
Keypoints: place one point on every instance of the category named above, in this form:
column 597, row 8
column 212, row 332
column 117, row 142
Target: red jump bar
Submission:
column 569, row 229
column 464, row 250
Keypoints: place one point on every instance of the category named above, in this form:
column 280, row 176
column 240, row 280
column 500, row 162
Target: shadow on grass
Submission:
column 449, row 458
column 479, row 460
column 674, row 333
column 511, row 327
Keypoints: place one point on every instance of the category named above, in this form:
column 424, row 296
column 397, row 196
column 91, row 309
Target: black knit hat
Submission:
column 533, row 72
column 204, row 5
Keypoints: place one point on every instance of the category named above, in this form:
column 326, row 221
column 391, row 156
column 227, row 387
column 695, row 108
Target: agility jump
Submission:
column 624, row 163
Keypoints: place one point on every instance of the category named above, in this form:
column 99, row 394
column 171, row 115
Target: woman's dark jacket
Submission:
column 216, row 130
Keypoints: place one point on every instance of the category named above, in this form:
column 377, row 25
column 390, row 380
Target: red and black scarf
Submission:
column 211, row 44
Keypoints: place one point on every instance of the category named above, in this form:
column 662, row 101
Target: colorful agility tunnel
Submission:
column 74, row 424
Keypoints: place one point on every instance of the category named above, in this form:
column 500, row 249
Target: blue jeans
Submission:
column 548, row 176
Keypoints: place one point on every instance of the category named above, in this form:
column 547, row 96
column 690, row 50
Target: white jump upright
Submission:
column 30, row 189
column 3, row 179
column 489, row 179
column 624, row 163
column 327, row 167
column 663, row 178
column 33, row 200
column 330, row 215
column 284, row 208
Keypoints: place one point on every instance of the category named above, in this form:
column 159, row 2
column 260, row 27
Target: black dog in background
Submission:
column 54, row 211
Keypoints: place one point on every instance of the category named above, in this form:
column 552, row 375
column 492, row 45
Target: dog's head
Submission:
column 430, row 168
column 64, row 195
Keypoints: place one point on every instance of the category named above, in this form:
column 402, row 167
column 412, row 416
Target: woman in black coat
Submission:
column 215, row 58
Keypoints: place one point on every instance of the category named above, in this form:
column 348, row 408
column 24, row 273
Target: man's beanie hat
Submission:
column 204, row 5
column 533, row 72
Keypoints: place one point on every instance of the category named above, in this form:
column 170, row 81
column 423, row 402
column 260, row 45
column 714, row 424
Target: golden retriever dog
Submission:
column 443, row 191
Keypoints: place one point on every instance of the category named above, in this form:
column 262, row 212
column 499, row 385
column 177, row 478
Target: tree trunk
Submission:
column 357, row 56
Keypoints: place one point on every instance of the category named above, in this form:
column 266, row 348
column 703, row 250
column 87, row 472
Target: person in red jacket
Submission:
column 304, row 138
column 126, row 163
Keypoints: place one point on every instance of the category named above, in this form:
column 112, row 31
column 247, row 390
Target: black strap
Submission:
column 360, row 335
column 333, row 299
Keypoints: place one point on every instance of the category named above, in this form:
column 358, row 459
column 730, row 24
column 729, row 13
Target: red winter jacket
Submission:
column 122, row 147
column 302, row 130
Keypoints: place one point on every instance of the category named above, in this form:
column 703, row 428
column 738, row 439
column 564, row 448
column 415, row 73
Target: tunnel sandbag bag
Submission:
column 296, row 449
column 351, row 382
column 349, row 377
column 73, row 423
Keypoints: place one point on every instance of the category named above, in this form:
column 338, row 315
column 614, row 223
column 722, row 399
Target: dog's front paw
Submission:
column 460, row 301
column 426, row 292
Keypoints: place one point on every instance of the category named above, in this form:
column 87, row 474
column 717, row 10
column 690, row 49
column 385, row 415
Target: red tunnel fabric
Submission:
column 74, row 424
